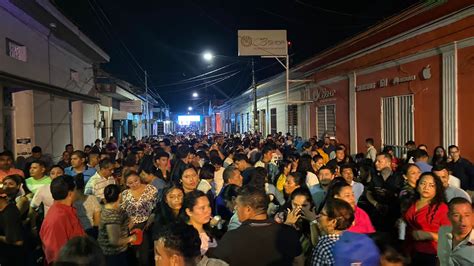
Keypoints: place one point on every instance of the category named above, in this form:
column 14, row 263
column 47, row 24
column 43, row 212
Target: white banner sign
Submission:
column 262, row 43
column 131, row 106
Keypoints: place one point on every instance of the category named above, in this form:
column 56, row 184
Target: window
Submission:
column 74, row 75
column 273, row 120
column 16, row 50
column 326, row 120
column 397, row 122
column 293, row 119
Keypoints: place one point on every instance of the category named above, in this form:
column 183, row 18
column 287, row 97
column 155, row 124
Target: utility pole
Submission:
column 147, row 105
column 254, row 87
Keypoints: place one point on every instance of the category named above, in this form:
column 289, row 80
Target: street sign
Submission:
column 262, row 43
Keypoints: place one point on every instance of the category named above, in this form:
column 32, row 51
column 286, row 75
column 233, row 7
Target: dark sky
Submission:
column 167, row 38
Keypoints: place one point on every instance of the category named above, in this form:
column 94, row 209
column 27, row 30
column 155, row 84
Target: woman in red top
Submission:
column 424, row 217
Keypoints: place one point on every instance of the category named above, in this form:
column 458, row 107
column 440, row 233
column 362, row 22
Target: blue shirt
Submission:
column 88, row 172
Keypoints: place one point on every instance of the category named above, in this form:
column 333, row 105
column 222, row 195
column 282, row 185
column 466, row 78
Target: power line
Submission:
column 332, row 11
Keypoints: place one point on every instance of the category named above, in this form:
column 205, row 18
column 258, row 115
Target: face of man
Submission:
column 461, row 217
column 348, row 175
column 454, row 153
column 243, row 211
column 36, row 155
column 444, row 176
column 93, row 160
column 382, row 162
column 37, row 170
column 340, row 154
column 165, row 256
column 236, row 178
column 107, row 171
column 325, row 177
column 240, row 165
column 70, row 149
column 162, row 162
column 140, row 154
column 77, row 161
column 5, row 163
column 66, row 156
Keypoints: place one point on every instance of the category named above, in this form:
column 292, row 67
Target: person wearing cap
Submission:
column 61, row 223
column 456, row 242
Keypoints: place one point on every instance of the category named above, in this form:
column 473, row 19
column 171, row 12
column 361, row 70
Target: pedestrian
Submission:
column 424, row 218
column 61, row 223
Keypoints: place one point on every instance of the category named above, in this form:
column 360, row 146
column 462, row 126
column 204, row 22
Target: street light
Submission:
column 208, row 56
column 190, row 108
column 195, row 94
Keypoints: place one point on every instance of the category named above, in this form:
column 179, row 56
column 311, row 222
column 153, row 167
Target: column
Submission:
column 353, row 112
column 2, row 127
column 23, row 123
column 449, row 95
column 77, row 119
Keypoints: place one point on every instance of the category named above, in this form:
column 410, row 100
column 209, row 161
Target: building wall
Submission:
column 90, row 115
column 465, row 99
column 52, row 123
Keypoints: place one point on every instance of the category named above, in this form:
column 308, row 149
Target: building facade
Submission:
column 407, row 78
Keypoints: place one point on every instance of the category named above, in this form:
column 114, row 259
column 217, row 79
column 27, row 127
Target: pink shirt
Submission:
column 12, row 171
column 362, row 223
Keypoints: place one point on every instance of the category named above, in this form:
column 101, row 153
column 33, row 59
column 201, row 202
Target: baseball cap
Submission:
column 356, row 249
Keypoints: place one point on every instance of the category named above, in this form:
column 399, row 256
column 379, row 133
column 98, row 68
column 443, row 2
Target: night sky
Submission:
column 167, row 38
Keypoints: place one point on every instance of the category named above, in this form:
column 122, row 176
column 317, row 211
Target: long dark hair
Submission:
column 164, row 214
column 436, row 159
column 439, row 197
column 304, row 164
column 281, row 168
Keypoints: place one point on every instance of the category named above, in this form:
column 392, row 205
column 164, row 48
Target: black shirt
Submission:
column 10, row 227
column 259, row 243
column 246, row 174
column 463, row 170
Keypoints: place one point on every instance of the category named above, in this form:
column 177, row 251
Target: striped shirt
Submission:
column 96, row 185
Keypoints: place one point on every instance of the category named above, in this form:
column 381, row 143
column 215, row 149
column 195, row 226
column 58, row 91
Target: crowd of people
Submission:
column 237, row 199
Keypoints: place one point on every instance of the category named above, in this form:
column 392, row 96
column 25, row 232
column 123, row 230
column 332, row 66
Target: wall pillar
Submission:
column 2, row 126
column 77, row 120
column 449, row 96
column 23, row 123
column 353, row 113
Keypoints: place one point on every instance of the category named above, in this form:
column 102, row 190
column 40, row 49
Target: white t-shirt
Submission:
column 43, row 195
column 454, row 181
column 311, row 179
column 219, row 180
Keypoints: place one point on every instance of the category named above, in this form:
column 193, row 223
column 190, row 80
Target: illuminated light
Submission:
column 208, row 56
column 185, row 120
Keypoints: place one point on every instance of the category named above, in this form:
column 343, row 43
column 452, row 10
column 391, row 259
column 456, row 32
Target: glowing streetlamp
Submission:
column 190, row 108
column 208, row 56
column 195, row 94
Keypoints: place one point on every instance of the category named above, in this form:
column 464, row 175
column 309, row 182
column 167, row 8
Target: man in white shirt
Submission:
column 456, row 242
column 102, row 178
column 371, row 151
column 450, row 192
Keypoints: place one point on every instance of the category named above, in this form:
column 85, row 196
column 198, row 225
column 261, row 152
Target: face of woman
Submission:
column 412, row 176
column 440, row 152
column 290, row 185
column 201, row 212
column 55, row 172
column 133, row 182
column 347, row 195
column 174, row 199
column 190, row 179
column 299, row 201
column 427, row 187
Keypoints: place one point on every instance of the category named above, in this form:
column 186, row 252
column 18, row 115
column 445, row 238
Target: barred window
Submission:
column 326, row 116
column 293, row 119
column 273, row 120
column 397, row 122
